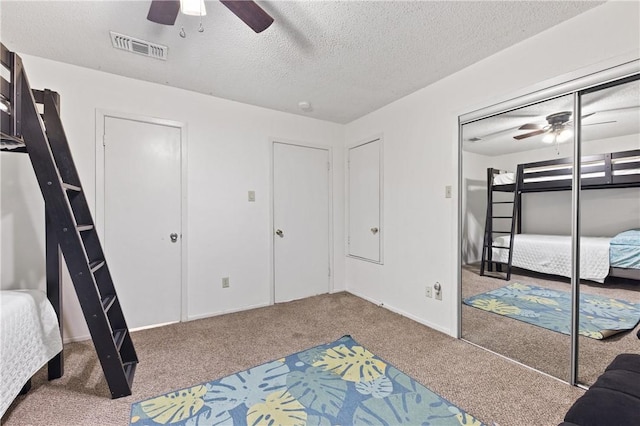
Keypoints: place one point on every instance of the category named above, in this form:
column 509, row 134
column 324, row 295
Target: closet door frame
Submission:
column 588, row 82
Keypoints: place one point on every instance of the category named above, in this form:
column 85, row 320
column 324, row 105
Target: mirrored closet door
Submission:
column 517, row 193
column 609, row 226
column 531, row 224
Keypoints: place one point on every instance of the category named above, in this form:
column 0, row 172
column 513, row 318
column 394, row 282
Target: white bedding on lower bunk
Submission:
column 29, row 338
column 551, row 254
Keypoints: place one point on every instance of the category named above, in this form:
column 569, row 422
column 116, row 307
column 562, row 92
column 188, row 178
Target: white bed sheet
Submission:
column 551, row 254
column 29, row 338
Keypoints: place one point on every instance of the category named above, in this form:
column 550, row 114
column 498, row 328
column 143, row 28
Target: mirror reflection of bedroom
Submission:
column 519, row 209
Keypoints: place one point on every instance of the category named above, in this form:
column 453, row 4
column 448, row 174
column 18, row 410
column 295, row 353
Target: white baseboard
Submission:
column 262, row 305
column 88, row 336
column 403, row 313
column 76, row 338
column 230, row 311
column 190, row 318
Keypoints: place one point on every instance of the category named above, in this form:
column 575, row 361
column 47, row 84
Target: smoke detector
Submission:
column 141, row 47
column 305, row 106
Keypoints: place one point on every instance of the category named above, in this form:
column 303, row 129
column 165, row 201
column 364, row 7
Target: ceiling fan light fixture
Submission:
column 193, row 7
column 549, row 138
column 564, row 135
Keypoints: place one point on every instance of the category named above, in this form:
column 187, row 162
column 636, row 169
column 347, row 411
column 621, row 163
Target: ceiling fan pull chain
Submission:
column 201, row 28
column 182, row 33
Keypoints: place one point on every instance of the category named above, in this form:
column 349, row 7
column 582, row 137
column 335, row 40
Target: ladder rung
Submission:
column 501, row 247
column 95, row 265
column 70, row 187
column 501, row 232
column 129, row 371
column 118, row 337
column 82, row 228
column 502, row 217
column 107, row 301
column 502, row 202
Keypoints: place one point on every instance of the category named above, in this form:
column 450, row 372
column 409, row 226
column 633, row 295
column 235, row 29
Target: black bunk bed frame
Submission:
column 70, row 229
column 608, row 167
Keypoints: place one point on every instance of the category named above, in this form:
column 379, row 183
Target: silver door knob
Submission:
column 279, row 233
column 174, row 237
column 374, row 231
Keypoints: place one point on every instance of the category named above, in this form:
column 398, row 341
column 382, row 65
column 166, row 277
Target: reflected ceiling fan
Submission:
column 166, row 11
column 559, row 127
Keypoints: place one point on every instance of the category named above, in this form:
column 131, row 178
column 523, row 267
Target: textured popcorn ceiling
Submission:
column 345, row 58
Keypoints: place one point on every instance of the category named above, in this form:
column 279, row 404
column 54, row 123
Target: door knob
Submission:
column 374, row 231
column 279, row 233
column 174, row 237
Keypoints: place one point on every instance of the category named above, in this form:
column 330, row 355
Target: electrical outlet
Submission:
column 225, row 282
column 427, row 291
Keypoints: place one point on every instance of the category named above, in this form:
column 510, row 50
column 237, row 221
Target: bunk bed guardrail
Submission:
column 600, row 171
column 10, row 100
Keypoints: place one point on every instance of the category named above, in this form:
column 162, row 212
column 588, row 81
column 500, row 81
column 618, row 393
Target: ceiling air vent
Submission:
column 135, row 45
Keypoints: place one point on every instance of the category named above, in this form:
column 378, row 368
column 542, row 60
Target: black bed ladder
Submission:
column 512, row 222
column 68, row 212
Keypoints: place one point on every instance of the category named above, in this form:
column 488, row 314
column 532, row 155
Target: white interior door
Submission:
column 142, row 218
column 301, row 221
column 365, row 226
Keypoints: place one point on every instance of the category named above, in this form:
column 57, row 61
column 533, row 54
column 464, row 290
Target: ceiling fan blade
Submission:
column 602, row 122
column 164, row 12
column 530, row 126
column 250, row 13
column 530, row 134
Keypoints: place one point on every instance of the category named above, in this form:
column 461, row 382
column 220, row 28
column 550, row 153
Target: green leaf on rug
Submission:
column 318, row 389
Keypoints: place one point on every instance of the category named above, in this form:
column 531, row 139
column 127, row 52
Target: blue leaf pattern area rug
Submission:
column 340, row 383
column 599, row 316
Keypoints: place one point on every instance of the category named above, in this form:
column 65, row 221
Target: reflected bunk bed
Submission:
column 505, row 246
column 30, row 124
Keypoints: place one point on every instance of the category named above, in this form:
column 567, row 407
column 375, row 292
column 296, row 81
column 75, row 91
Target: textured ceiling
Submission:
column 345, row 58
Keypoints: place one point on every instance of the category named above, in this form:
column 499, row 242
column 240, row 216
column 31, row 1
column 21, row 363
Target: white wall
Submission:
column 421, row 154
column 229, row 153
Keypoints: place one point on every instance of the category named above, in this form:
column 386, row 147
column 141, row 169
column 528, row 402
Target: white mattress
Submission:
column 29, row 338
column 551, row 254
column 504, row 178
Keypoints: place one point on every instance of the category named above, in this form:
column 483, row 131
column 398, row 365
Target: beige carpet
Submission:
column 487, row 386
column 538, row 347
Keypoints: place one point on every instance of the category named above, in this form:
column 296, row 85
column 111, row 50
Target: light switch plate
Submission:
column 252, row 196
column 447, row 191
